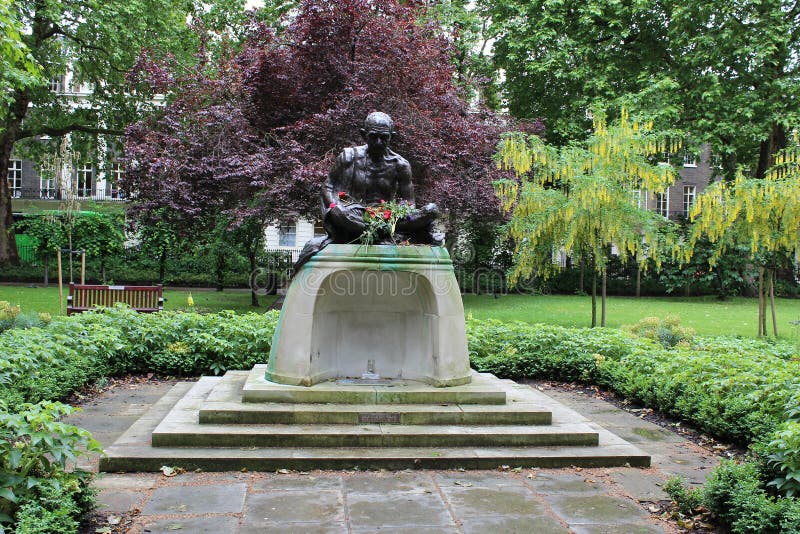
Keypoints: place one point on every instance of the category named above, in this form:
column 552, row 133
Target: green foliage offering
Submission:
column 35, row 450
column 668, row 331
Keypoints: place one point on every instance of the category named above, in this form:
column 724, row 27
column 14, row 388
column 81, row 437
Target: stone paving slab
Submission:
column 553, row 500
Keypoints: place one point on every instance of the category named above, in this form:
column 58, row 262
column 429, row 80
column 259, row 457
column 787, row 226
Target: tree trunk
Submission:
column 638, row 280
column 251, row 255
column 773, row 143
column 772, row 301
column 580, row 279
column 594, row 293
column 103, row 269
column 722, row 293
column 603, row 299
column 11, row 128
column 220, row 271
column 761, row 323
column 162, row 266
column 8, row 243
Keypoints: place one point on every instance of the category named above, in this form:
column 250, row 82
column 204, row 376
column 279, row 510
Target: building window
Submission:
column 84, row 180
column 638, row 199
column 15, row 177
column 662, row 203
column 689, row 192
column 287, row 234
column 57, row 84
column 47, row 184
column 114, row 175
column 689, row 159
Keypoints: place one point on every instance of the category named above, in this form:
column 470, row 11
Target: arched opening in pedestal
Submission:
column 371, row 323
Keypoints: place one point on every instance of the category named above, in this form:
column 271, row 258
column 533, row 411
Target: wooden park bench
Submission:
column 145, row 299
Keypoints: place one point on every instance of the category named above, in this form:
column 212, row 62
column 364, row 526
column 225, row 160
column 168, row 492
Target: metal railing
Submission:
column 37, row 193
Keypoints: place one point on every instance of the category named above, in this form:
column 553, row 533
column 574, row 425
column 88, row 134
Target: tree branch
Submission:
column 63, row 130
column 84, row 44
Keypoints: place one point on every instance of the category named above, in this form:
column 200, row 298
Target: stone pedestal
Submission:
column 372, row 312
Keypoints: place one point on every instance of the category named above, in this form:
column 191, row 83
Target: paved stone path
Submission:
column 602, row 500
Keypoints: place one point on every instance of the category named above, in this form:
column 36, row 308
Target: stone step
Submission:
column 133, row 450
column 371, row 436
column 128, row 458
column 181, row 428
column 482, row 390
column 224, row 406
column 361, row 414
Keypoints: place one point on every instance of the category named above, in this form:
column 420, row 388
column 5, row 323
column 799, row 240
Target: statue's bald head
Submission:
column 377, row 132
column 378, row 121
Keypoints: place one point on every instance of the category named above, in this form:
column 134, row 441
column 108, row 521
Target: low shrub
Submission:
column 37, row 492
column 736, row 495
column 667, row 331
column 11, row 317
column 734, row 389
column 736, row 392
column 52, row 362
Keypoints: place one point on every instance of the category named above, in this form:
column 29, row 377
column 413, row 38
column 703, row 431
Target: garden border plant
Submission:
column 733, row 389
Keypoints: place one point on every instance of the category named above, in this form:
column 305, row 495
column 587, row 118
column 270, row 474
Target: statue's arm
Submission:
column 405, row 188
column 329, row 190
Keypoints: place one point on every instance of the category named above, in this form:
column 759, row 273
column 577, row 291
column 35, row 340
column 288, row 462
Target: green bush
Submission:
column 735, row 494
column 667, row 331
column 36, row 489
column 731, row 388
column 734, row 389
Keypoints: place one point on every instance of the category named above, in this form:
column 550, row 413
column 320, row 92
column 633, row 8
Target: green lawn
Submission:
column 707, row 315
column 46, row 299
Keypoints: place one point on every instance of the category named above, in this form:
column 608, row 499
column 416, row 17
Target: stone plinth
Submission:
column 388, row 312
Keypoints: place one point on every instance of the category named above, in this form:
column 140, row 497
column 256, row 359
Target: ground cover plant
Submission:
column 731, row 388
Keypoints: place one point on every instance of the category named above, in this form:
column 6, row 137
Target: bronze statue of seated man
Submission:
column 363, row 177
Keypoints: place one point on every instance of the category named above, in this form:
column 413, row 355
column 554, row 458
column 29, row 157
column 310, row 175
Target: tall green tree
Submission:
column 98, row 42
column 578, row 199
column 734, row 63
column 562, row 56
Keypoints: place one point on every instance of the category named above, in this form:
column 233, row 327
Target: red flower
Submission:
column 383, row 201
column 342, row 194
column 333, row 205
column 387, row 214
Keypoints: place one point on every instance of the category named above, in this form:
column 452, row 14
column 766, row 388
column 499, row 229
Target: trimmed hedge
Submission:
column 50, row 363
column 733, row 389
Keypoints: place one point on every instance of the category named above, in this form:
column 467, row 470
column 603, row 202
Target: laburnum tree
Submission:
column 579, row 199
column 762, row 214
column 255, row 135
